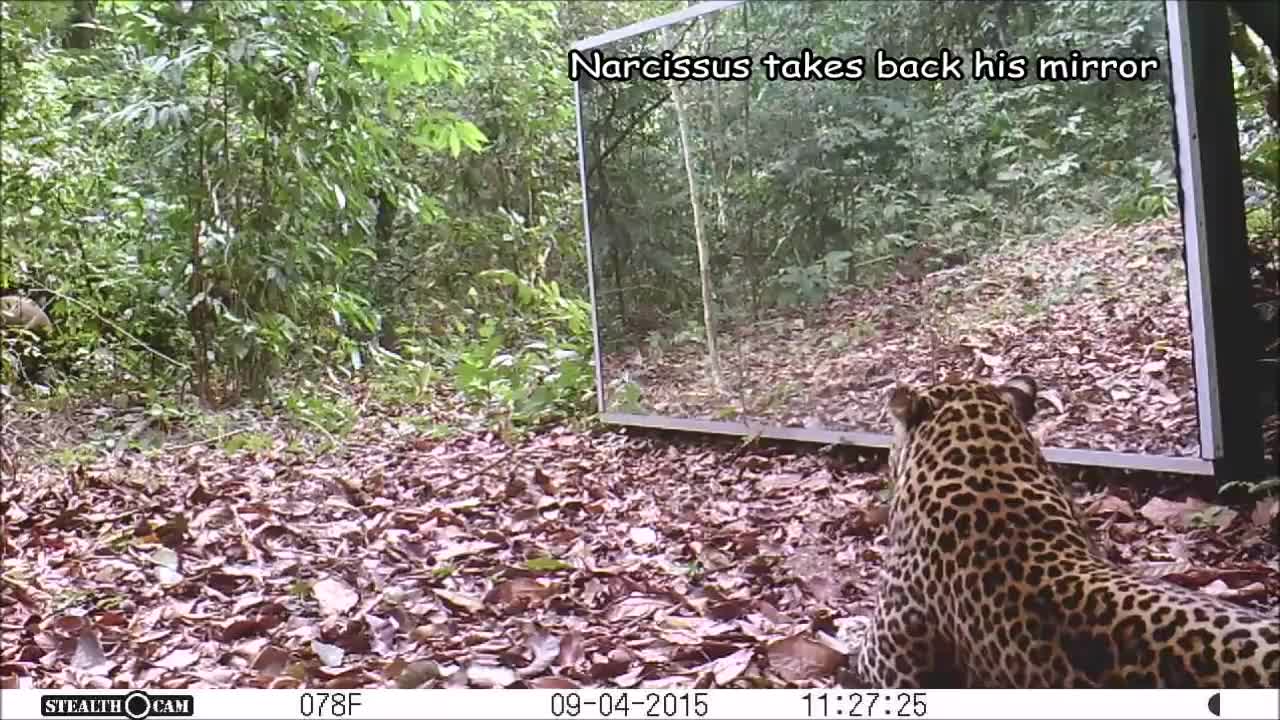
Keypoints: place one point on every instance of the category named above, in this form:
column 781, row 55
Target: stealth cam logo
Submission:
column 136, row 705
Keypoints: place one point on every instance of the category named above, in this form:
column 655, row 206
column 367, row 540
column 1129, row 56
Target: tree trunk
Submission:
column 79, row 36
column 699, row 234
column 1258, row 72
column 1262, row 18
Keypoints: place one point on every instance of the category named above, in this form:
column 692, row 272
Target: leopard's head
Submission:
column 932, row 414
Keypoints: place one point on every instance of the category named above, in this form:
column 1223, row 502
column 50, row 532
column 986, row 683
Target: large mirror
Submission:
column 778, row 253
column 662, row 245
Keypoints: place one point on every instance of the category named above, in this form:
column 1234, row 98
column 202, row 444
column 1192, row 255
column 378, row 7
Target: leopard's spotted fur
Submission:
column 991, row 580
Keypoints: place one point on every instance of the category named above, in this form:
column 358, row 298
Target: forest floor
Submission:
column 162, row 549
column 568, row 558
column 1098, row 317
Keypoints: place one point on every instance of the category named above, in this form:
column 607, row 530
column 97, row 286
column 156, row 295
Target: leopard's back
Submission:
column 991, row 579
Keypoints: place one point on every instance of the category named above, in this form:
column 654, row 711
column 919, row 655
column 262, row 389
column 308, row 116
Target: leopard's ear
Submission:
column 1020, row 393
column 908, row 408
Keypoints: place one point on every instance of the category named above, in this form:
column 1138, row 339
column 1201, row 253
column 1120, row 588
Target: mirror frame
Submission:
column 1211, row 199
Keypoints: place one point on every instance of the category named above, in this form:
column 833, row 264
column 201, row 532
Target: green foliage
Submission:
column 19, row 350
column 626, row 396
column 1267, row 486
column 431, row 429
column 546, row 564
column 248, row 442
column 1147, row 193
column 535, row 366
column 254, row 187
column 329, row 413
column 809, row 284
column 70, row 457
column 410, row 382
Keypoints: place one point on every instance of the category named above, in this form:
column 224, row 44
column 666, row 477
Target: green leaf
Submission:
column 546, row 564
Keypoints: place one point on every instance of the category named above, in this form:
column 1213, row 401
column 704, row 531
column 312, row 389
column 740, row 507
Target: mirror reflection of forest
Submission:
column 786, row 251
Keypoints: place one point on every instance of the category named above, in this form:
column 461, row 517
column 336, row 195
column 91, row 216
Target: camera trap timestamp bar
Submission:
column 463, row 704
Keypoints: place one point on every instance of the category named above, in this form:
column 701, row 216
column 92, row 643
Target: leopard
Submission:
column 991, row 578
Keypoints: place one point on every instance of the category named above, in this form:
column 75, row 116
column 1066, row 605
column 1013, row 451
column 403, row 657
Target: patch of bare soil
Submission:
column 1098, row 317
column 568, row 559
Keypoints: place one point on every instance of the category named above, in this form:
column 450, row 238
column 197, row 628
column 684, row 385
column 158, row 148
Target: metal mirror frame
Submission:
column 1206, row 147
